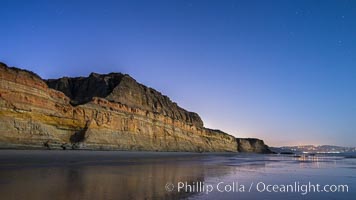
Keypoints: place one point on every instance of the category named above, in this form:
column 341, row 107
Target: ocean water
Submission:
column 145, row 175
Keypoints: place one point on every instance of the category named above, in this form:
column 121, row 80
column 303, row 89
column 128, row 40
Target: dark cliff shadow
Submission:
column 79, row 137
column 81, row 90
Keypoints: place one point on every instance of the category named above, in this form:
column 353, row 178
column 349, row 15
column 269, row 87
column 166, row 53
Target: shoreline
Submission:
column 121, row 152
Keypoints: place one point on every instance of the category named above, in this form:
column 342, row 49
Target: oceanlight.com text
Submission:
column 261, row 187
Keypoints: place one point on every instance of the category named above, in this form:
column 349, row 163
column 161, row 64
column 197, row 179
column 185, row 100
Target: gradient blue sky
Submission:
column 283, row 71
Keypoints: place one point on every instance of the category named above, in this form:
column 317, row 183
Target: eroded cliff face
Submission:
column 122, row 89
column 99, row 112
column 252, row 145
column 104, row 113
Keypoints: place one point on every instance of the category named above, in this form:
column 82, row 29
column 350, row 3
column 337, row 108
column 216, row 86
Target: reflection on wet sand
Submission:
column 122, row 175
column 105, row 175
column 136, row 181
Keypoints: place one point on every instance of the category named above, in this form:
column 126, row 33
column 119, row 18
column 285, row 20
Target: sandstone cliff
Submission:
column 252, row 145
column 107, row 112
column 123, row 89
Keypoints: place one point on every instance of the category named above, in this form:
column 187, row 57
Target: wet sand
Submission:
column 144, row 175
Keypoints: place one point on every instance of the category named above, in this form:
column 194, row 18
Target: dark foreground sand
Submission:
column 152, row 175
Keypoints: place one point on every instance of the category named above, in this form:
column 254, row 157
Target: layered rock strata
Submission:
column 99, row 112
column 252, row 145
